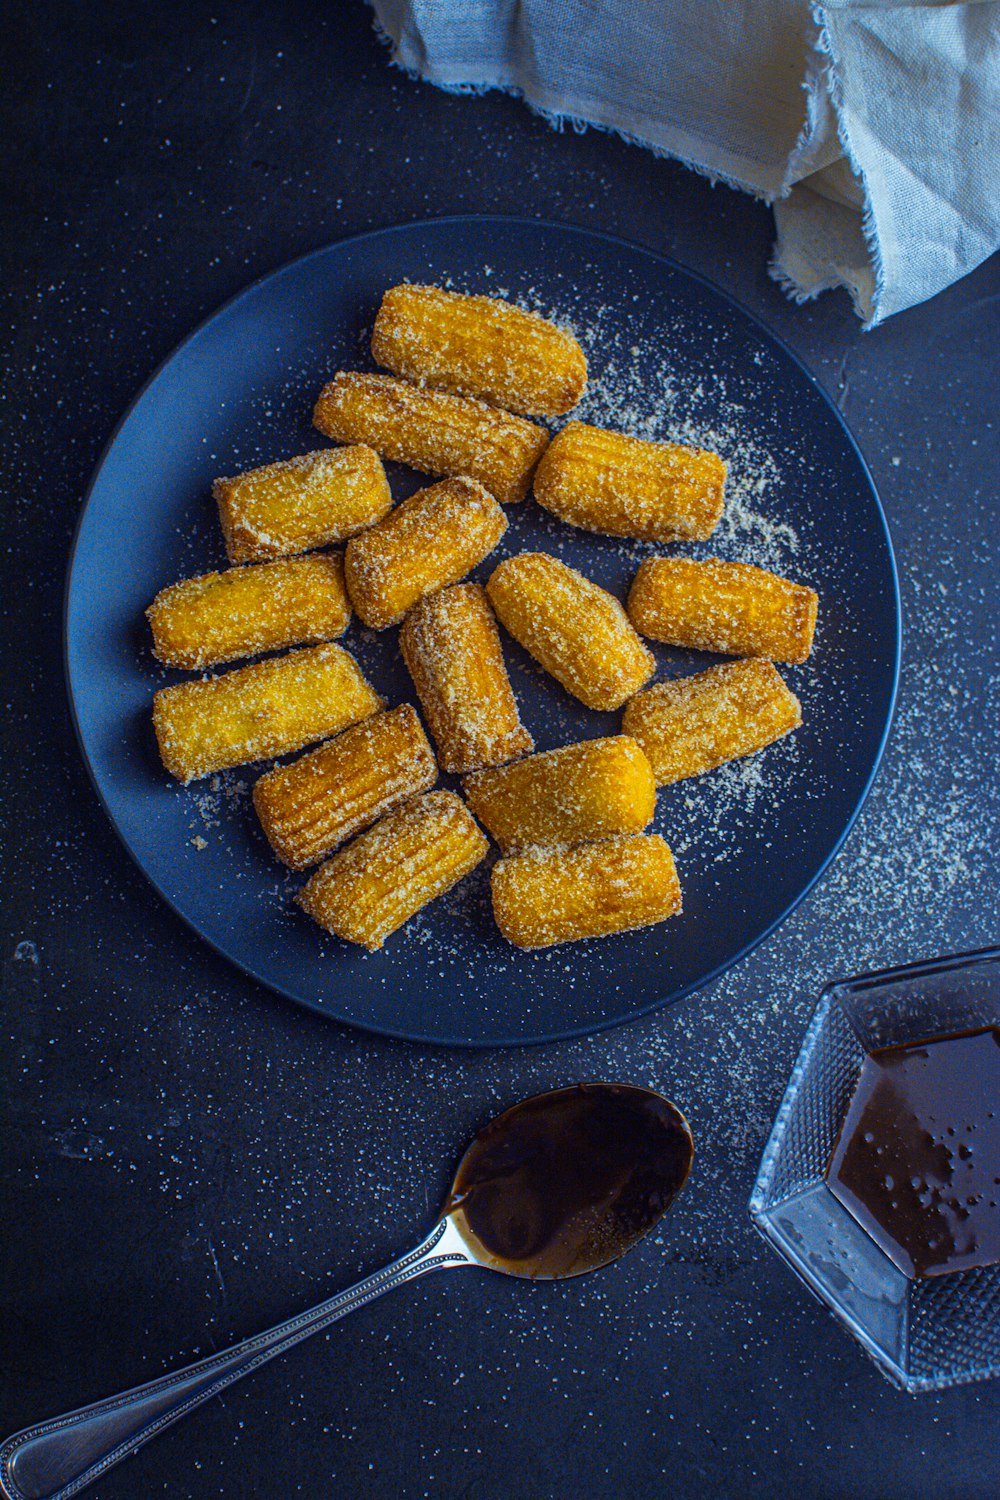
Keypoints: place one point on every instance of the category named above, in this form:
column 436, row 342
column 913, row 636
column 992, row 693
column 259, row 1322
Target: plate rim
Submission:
column 650, row 1007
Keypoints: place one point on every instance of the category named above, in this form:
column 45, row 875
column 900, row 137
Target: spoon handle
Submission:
column 56, row 1459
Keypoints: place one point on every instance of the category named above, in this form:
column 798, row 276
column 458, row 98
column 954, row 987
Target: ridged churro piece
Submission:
column 626, row 486
column 691, row 724
column 301, row 503
column 218, row 617
column 268, row 708
column 479, row 346
column 729, row 607
column 432, row 539
column 372, row 887
column 574, row 795
column 577, row 631
column 310, row 807
column 451, row 645
column 432, row 431
column 548, row 896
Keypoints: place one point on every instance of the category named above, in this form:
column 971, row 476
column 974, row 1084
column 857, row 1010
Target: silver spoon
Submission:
column 558, row 1185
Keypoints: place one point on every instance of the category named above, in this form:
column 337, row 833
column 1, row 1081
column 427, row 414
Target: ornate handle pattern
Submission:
column 56, row 1459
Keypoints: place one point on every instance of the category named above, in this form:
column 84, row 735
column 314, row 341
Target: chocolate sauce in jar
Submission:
column 918, row 1158
column 567, row 1181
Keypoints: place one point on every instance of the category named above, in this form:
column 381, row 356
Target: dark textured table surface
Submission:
column 188, row 1158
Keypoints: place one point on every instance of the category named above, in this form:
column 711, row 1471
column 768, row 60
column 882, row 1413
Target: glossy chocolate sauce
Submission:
column 918, row 1159
column 567, row 1181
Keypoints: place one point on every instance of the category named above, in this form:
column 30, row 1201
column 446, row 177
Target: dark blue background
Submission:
column 189, row 1158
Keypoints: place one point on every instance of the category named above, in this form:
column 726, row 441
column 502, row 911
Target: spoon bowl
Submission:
column 567, row 1181
column 556, row 1186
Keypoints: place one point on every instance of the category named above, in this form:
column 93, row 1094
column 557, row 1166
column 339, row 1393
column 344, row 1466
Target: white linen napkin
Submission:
column 872, row 128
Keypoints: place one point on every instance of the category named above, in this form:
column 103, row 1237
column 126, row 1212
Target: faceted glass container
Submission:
column 923, row 1334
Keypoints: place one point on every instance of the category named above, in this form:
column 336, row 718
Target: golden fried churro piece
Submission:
column 432, row 539
column 201, row 622
column 579, row 632
column 308, row 808
column 301, row 503
column 627, row 486
column 372, row 887
column 574, row 795
column 432, row 431
column 547, row 896
column 451, row 645
column 265, row 709
column 691, row 724
column 720, row 606
column 479, row 346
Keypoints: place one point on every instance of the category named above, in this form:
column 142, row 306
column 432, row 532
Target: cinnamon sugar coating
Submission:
column 573, row 795
column 729, row 607
column 451, row 645
column 300, row 503
column 368, row 890
column 310, row 807
column 432, row 539
column 479, row 346
column 433, row 431
column 548, row 896
column 577, row 631
column 218, row 617
column 255, row 712
column 692, row 724
column 627, row 486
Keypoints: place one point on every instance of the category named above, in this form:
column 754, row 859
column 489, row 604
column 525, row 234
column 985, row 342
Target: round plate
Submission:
column 669, row 356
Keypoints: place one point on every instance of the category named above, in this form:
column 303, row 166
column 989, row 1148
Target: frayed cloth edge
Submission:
column 791, row 288
column 869, row 223
column 559, row 120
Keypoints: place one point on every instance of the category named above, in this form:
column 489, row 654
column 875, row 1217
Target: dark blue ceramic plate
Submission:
column 669, row 355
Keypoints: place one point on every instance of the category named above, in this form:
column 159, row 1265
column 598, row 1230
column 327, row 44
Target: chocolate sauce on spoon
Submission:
column 567, row 1181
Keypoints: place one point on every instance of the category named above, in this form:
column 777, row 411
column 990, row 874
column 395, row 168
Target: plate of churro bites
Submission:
column 482, row 631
